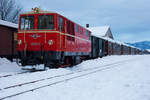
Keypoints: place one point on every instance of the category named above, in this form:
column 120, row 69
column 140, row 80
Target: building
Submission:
column 7, row 43
column 102, row 31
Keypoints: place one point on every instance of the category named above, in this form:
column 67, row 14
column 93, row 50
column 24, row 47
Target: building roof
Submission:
column 101, row 31
column 8, row 24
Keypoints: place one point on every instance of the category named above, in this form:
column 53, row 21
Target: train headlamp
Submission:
column 19, row 42
column 50, row 42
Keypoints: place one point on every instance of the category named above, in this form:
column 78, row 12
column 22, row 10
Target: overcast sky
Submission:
column 129, row 19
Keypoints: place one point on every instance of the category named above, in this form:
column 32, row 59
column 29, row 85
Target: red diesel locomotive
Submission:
column 51, row 39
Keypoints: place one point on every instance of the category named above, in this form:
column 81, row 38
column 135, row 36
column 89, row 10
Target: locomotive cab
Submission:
column 36, row 37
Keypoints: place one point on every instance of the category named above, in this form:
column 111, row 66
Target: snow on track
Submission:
column 100, row 85
column 63, row 78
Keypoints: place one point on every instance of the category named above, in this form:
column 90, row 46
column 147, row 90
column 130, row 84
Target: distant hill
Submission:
column 143, row 44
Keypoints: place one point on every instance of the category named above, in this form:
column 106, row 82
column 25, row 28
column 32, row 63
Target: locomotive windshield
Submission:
column 27, row 23
column 46, row 22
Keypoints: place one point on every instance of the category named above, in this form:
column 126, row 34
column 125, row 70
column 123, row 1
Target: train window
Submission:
column 72, row 28
column 87, row 33
column 46, row 22
column 68, row 30
column 27, row 23
column 77, row 29
column 60, row 23
column 68, row 27
column 116, row 46
column 110, row 45
column 90, row 36
column 81, row 30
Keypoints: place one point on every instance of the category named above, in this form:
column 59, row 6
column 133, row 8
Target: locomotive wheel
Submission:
column 74, row 60
column 51, row 65
column 68, row 60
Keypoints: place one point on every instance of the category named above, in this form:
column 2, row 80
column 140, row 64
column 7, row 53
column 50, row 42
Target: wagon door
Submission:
column 100, row 48
column 103, row 47
column 106, row 49
column 93, row 39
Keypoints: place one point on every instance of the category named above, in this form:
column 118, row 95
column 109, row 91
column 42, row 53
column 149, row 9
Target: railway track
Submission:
column 8, row 75
column 48, row 78
column 14, row 74
column 67, row 77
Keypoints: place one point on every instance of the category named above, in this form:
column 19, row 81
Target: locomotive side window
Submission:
column 46, row 22
column 77, row 29
column 27, row 23
column 60, row 23
column 81, row 30
column 72, row 28
column 87, row 33
column 68, row 30
column 90, row 36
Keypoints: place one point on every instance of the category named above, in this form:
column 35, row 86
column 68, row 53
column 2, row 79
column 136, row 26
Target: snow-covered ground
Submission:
column 109, row 78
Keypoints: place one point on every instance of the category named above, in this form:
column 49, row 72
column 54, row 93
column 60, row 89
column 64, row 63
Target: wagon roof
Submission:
column 8, row 24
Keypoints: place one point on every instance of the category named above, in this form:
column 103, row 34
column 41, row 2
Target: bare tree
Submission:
column 9, row 10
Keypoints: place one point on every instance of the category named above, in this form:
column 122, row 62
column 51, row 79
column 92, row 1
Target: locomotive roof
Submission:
column 38, row 11
column 8, row 24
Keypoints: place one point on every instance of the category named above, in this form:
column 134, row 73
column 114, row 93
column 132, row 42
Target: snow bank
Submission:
column 8, row 67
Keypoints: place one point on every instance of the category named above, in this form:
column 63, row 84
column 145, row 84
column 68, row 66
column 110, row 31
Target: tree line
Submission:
column 10, row 10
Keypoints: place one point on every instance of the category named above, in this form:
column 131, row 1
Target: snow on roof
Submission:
column 115, row 41
column 8, row 24
column 148, row 50
column 99, row 31
column 118, row 42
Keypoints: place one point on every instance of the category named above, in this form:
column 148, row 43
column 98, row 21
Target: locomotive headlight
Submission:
column 19, row 42
column 50, row 42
